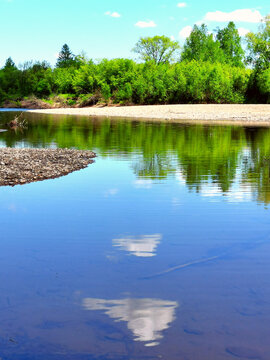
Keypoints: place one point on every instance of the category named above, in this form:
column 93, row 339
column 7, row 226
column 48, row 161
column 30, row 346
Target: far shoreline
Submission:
column 198, row 113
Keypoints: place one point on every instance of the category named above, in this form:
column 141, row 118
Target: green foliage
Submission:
column 264, row 84
column 230, row 43
column 159, row 49
column 201, row 46
column 43, row 88
column 84, row 79
column 114, row 77
column 195, row 81
column 63, row 79
column 9, row 81
column 9, row 64
column 151, row 84
column 66, row 58
column 212, row 83
column 258, row 45
column 123, row 81
column 106, row 91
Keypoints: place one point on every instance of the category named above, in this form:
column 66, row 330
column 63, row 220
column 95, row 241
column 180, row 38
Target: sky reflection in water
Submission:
column 80, row 255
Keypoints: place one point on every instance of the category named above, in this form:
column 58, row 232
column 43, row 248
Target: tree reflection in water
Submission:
column 221, row 155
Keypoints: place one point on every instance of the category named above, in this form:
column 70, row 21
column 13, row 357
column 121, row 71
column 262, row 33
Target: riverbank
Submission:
column 20, row 166
column 235, row 113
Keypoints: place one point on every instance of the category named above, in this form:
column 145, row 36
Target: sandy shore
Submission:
column 235, row 113
column 21, row 166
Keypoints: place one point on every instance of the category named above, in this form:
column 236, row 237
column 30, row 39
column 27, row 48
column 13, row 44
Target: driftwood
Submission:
column 17, row 122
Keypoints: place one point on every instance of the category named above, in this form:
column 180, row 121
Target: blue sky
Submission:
column 37, row 29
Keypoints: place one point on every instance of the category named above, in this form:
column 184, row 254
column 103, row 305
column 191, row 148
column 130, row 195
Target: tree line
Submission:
column 210, row 68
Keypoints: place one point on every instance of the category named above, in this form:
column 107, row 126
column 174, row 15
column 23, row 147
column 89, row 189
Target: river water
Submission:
column 158, row 250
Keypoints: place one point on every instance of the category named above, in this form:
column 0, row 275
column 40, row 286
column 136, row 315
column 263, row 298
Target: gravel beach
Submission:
column 21, row 166
column 233, row 113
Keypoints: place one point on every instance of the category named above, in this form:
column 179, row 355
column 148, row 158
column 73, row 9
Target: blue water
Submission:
column 126, row 260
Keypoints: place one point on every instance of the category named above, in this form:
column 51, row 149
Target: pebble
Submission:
column 21, row 166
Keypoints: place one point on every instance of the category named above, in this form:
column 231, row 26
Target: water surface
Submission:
column 158, row 250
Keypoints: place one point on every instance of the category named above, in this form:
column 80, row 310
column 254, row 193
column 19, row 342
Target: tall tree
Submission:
column 258, row 45
column 65, row 57
column 9, row 78
column 9, row 64
column 159, row 49
column 201, row 46
column 230, row 43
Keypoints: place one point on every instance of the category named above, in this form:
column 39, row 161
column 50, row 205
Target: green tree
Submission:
column 9, row 80
column 63, row 80
column 9, row 64
column 258, row 45
column 65, row 57
column 201, row 46
column 84, row 80
column 159, row 49
column 230, row 43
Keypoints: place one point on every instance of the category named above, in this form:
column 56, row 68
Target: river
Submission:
column 158, row 250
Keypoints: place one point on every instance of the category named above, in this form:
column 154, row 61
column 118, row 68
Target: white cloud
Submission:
column 146, row 24
column 182, row 5
column 172, row 38
column 243, row 31
column 113, row 14
column 240, row 15
column 185, row 32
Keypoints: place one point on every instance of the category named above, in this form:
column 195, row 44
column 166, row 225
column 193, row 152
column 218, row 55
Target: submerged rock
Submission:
column 21, row 166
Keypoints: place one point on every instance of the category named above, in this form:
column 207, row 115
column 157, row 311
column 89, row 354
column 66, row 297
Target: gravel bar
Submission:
column 244, row 113
column 21, row 166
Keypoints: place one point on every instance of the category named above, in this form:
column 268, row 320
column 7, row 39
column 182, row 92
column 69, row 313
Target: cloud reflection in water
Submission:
column 143, row 246
column 146, row 318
